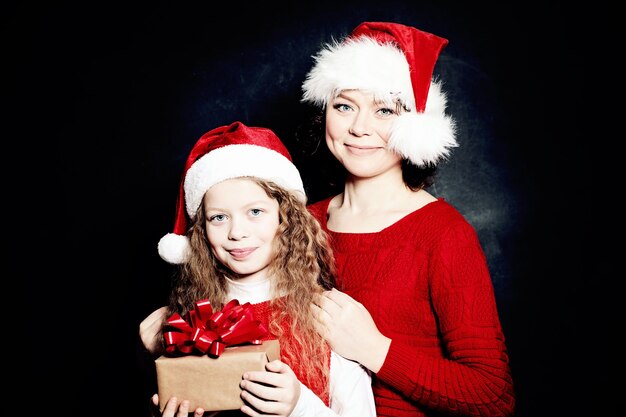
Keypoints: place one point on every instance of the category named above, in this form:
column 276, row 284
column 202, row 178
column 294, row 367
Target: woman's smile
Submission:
column 362, row 150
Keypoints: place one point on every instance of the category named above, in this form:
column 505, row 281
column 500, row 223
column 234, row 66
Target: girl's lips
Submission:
column 241, row 253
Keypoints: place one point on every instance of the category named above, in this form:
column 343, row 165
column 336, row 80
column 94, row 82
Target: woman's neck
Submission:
column 370, row 205
column 380, row 194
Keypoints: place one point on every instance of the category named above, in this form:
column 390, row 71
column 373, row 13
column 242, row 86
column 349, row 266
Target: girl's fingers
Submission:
column 170, row 407
column 183, row 410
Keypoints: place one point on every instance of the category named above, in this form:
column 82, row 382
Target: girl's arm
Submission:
column 350, row 392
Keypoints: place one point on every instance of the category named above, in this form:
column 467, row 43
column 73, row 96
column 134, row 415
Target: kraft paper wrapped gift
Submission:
column 212, row 383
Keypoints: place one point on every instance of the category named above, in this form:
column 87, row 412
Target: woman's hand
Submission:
column 150, row 330
column 350, row 330
column 275, row 392
column 173, row 409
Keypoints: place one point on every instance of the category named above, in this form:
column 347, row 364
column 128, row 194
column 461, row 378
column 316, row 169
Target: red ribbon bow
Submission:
column 210, row 332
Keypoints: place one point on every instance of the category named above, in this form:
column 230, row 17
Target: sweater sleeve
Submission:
column 473, row 376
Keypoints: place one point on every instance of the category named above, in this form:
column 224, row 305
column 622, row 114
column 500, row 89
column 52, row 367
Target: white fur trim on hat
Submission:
column 235, row 161
column 174, row 248
column 359, row 64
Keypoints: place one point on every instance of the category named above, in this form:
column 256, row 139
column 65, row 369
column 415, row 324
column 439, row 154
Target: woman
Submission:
column 416, row 305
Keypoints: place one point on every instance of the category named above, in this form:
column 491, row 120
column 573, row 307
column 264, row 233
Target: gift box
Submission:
column 207, row 353
column 212, row 383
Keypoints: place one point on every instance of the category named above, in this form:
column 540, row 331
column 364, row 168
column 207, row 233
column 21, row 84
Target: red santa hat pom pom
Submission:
column 432, row 132
column 174, row 248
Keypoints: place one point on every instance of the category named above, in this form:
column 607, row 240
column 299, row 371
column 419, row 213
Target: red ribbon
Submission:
column 211, row 332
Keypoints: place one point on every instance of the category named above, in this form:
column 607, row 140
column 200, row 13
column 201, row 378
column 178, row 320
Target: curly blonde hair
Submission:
column 302, row 268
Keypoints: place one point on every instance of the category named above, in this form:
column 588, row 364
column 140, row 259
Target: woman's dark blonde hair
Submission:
column 302, row 268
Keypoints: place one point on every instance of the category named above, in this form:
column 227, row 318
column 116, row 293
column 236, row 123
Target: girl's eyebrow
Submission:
column 247, row 205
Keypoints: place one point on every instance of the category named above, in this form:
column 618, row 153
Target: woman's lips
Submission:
column 362, row 150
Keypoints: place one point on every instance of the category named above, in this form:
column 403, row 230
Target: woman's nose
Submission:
column 361, row 125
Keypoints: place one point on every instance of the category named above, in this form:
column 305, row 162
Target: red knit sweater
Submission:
column 426, row 284
column 320, row 385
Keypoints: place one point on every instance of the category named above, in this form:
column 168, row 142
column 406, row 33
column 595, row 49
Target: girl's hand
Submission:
column 350, row 330
column 173, row 409
column 150, row 330
column 275, row 392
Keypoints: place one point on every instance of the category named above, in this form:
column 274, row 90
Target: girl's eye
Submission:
column 217, row 218
column 256, row 212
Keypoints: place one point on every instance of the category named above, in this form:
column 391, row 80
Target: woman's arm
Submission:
column 350, row 330
column 474, row 376
column 150, row 330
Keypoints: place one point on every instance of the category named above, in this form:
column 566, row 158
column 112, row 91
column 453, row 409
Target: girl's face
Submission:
column 357, row 131
column 241, row 224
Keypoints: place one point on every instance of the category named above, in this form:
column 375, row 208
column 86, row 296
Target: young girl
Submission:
column 417, row 307
column 243, row 232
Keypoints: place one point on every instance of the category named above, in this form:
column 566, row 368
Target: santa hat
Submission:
column 223, row 153
column 392, row 62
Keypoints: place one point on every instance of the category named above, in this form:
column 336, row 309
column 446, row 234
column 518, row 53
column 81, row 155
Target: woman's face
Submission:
column 357, row 131
column 241, row 224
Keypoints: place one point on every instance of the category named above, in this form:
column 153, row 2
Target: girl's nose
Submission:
column 237, row 230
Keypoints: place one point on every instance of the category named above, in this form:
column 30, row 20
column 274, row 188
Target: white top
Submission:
column 350, row 384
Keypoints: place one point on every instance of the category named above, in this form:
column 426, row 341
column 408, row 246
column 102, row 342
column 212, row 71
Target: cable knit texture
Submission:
column 262, row 313
column 426, row 284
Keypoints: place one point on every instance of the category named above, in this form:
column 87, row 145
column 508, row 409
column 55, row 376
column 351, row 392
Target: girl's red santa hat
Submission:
column 224, row 153
column 395, row 63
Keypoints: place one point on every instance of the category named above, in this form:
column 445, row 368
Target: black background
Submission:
column 105, row 100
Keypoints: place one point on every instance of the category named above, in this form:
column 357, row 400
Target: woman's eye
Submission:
column 342, row 107
column 386, row 111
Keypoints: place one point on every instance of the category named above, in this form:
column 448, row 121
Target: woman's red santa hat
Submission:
column 395, row 63
column 224, row 153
